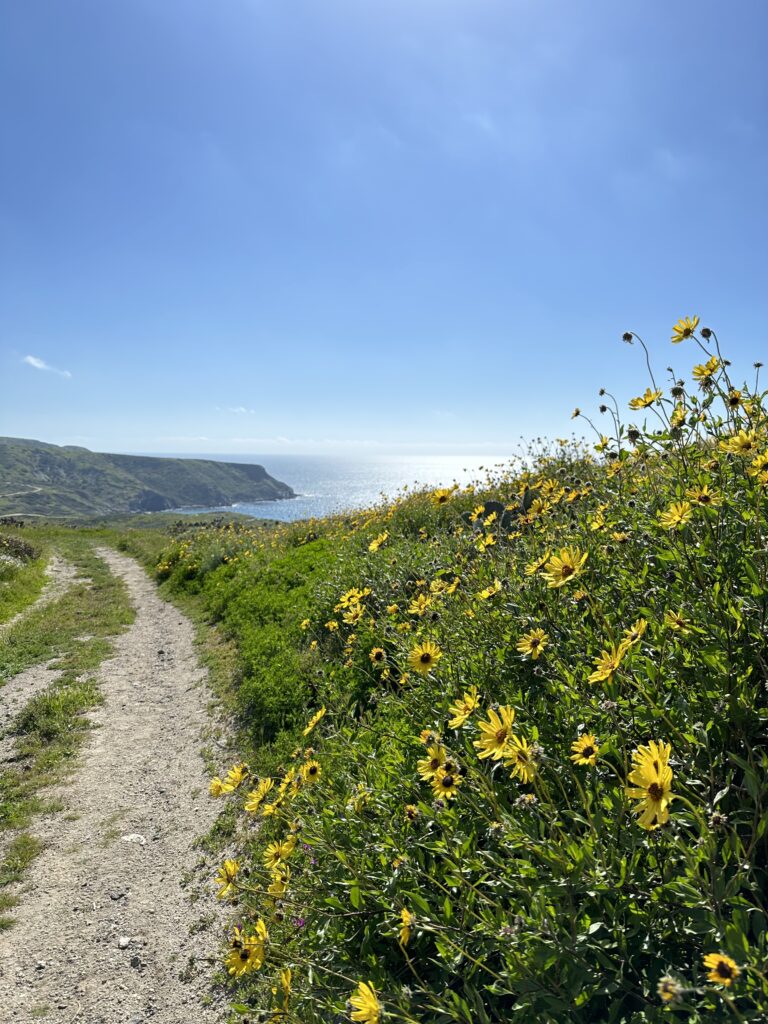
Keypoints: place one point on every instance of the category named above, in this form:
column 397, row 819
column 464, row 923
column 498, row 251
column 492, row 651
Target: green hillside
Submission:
column 505, row 746
column 44, row 479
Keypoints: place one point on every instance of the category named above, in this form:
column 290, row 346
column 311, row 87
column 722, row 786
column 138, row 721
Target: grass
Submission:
column 20, row 586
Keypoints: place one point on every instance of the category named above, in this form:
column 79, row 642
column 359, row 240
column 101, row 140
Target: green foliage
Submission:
column 527, row 884
column 22, row 575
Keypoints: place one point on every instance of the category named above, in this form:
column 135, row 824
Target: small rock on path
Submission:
column 96, row 884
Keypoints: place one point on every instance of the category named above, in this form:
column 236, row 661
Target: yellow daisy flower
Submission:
column 684, row 328
column 424, row 657
column 407, row 921
column 678, row 514
column 462, row 709
column 677, row 622
column 652, row 785
column 704, row 497
column 378, row 541
column 225, row 878
column 533, row 643
column 441, row 496
column 495, row 733
column 365, row 1004
column 565, row 566
column 722, row 969
column 522, row 757
column 645, row 400
column 311, row 771
column 705, row 371
column 256, row 796
column 585, row 750
column 608, row 662
column 429, row 766
column 279, row 851
column 636, row 631
column 743, row 443
column 246, row 953
column 445, row 784
column 313, row 721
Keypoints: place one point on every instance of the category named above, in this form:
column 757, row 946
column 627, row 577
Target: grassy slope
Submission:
column 535, row 894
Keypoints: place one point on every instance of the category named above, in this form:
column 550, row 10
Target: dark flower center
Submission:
column 501, row 735
column 567, row 570
column 425, row 658
column 447, row 781
column 724, row 970
column 587, row 751
column 244, row 955
column 655, row 791
column 535, row 642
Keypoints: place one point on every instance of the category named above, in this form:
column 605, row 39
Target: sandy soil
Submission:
column 106, row 932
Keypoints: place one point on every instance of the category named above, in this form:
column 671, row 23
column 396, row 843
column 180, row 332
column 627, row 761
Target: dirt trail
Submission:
column 103, row 932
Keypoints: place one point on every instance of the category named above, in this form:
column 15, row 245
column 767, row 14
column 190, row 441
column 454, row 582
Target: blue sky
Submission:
column 370, row 225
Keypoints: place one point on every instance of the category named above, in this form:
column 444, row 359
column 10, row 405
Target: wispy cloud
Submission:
column 238, row 410
column 40, row 364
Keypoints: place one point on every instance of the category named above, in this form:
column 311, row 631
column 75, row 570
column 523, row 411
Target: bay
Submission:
column 327, row 484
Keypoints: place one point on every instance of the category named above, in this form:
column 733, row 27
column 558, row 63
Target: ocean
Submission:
column 326, row 484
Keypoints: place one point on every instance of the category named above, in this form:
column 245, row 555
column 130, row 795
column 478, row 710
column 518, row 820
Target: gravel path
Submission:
column 103, row 933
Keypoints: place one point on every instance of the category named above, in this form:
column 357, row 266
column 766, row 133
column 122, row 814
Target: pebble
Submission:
column 123, row 942
column 134, row 837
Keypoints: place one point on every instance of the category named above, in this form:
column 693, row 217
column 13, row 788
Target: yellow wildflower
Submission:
column 225, row 878
column 407, row 921
column 565, row 566
column 645, row 400
column 704, row 371
column 684, row 328
column 462, row 709
column 522, row 757
column 652, row 784
column 365, row 1004
column 533, row 643
column 678, row 514
column 313, row 721
column 743, row 443
column 495, row 733
column 722, row 969
column 585, row 750
column 378, row 541
column 424, row 657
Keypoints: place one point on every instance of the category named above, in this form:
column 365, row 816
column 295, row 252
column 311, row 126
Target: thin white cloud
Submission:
column 40, row 364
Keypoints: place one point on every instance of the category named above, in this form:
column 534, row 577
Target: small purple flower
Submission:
column 298, row 922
